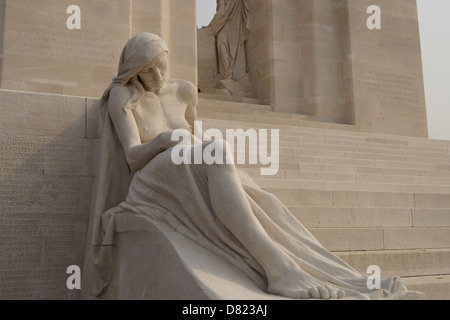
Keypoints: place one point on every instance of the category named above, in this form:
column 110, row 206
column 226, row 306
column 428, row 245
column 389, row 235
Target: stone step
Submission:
column 315, row 197
column 215, row 94
column 363, row 166
column 323, row 128
column 236, row 107
column 304, row 121
column 369, row 158
column 296, row 174
column 351, row 217
column 339, row 142
column 279, row 183
column 384, row 150
column 307, row 167
column 403, row 172
column 336, row 149
column 326, row 153
column 392, row 238
column 402, row 263
column 218, row 90
column 209, row 90
column 311, row 168
column 379, row 163
column 359, row 177
column 259, row 111
column 367, row 162
column 435, row 287
column 216, row 112
column 283, row 165
column 251, row 118
column 337, row 131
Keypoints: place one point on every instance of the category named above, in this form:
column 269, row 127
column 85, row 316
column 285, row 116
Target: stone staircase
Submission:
column 372, row 199
column 213, row 92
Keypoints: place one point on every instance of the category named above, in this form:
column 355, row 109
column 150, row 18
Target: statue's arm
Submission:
column 191, row 94
column 191, row 97
column 137, row 154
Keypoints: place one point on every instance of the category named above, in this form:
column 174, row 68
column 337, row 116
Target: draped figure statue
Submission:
column 217, row 206
column 231, row 25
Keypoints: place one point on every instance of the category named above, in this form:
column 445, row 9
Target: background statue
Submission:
column 217, row 206
column 231, row 25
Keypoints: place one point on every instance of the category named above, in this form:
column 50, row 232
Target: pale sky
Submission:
column 434, row 22
column 205, row 12
column 435, row 39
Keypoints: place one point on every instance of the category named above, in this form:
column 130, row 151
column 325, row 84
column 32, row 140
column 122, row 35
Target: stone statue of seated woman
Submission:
column 216, row 206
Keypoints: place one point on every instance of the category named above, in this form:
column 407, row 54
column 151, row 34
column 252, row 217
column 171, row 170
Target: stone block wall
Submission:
column 38, row 53
column 319, row 58
column 46, row 172
column 384, row 69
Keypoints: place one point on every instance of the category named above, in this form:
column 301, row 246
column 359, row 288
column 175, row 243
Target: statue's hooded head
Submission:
column 139, row 51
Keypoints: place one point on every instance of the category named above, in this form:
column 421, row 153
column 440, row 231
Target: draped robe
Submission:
column 231, row 25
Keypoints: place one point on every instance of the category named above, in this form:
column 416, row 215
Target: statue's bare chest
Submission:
column 156, row 114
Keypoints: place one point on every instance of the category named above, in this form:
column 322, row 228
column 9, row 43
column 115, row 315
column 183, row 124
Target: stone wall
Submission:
column 207, row 58
column 327, row 63
column 40, row 54
column 46, row 173
column 319, row 58
column 259, row 50
column 384, row 69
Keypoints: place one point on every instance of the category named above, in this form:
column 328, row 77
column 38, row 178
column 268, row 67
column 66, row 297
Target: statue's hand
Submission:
column 169, row 139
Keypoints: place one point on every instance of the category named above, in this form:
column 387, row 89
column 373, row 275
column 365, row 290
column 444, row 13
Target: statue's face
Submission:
column 153, row 74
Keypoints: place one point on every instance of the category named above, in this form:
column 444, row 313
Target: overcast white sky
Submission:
column 434, row 21
column 435, row 38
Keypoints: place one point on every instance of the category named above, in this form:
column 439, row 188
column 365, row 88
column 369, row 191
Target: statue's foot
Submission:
column 326, row 292
column 304, row 287
column 321, row 292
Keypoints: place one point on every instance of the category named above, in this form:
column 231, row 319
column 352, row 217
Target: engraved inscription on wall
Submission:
column 42, row 230
column 83, row 46
column 63, row 156
column 393, row 87
column 16, row 152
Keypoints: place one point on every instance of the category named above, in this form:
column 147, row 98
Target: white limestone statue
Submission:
column 217, row 206
column 231, row 25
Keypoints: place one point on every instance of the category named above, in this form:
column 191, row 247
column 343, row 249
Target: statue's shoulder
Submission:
column 118, row 97
column 119, row 93
column 185, row 89
column 184, row 85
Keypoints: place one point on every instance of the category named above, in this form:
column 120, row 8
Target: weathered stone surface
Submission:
column 319, row 58
column 39, row 53
column 375, row 191
column 50, row 57
column 41, row 114
column 45, row 193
